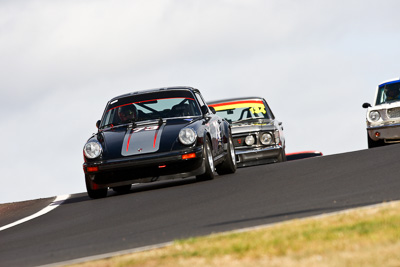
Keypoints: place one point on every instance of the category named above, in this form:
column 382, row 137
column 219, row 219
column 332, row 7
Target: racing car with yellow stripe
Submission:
column 257, row 136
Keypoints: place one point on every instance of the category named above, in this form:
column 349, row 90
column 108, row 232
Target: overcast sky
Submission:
column 315, row 62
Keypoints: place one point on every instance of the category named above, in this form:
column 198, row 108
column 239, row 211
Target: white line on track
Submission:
column 57, row 202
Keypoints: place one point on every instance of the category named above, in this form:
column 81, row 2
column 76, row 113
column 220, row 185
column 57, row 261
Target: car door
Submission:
column 214, row 127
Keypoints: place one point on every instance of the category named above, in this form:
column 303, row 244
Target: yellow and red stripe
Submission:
column 237, row 104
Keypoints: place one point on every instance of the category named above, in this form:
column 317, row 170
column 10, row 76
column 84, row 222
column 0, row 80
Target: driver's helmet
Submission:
column 127, row 113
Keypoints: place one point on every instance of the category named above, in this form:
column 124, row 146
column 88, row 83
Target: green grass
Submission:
column 363, row 237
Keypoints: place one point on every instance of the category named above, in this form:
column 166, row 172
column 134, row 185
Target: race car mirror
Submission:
column 204, row 109
column 366, row 105
column 98, row 124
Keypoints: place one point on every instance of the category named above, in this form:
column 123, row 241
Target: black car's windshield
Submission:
column 169, row 104
column 237, row 111
column 388, row 92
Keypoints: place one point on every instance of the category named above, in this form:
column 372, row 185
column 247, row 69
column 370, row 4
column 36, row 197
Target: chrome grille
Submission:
column 393, row 113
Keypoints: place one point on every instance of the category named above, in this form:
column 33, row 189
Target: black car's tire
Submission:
column 372, row 143
column 123, row 189
column 208, row 161
column 229, row 164
column 282, row 156
column 94, row 193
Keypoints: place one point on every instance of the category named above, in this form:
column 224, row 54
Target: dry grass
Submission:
column 365, row 237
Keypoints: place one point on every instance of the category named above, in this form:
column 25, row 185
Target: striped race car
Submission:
column 257, row 134
column 154, row 135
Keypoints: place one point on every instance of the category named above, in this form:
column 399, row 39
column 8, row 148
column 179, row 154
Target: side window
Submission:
column 201, row 101
column 109, row 118
column 269, row 111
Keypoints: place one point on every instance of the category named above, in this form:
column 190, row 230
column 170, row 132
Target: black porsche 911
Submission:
column 155, row 135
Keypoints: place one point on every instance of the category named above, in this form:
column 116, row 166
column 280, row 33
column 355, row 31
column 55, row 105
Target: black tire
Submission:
column 229, row 164
column 94, row 193
column 208, row 161
column 123, row 189
column 372, row 143
column 282, row 156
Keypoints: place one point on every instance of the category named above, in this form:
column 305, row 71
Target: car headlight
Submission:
column 374, row 115
column 187, row 136
column 266, row 139
column 92, row 149
column 249, row 140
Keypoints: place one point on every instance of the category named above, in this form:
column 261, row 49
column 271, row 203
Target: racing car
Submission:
column 257, row 135
column 153, row 135
column 383, row 117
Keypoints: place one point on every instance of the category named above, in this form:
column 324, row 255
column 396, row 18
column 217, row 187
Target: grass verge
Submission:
column 361, row 237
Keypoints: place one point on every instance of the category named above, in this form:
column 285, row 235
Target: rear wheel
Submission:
column 209, row 162
column 229, row 164
column 94, row 193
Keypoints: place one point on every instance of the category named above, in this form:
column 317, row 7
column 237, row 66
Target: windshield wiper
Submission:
column 111, row 125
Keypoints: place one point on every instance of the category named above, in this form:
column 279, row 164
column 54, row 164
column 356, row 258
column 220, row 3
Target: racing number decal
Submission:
column 218, row 133
column 258, row 109
column 149, row 128
column 140, row 131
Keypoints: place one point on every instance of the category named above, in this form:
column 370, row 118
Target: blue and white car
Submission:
column 383, row 117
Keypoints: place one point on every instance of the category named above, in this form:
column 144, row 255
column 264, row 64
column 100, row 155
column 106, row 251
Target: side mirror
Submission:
column 204, row 109
column 366, row 105
column 212, row 109
column 98, row 124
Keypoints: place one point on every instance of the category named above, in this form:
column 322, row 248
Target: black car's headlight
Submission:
column 374, row 115
column 266, row 139
column 92, row 149
column 187, row 136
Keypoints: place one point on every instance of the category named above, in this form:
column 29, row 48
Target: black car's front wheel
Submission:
column 208, row 161
column 94, row 193
column 229, row 164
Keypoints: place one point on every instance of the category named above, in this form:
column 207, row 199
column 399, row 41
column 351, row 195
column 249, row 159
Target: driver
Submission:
column 127, row 113
column 392, row 94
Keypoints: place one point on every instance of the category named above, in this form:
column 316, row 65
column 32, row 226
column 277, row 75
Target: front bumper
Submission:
column 255, row 156
column 146, row 168
column 388, row 133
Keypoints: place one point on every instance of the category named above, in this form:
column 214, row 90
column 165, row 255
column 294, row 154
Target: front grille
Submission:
column 393, row 113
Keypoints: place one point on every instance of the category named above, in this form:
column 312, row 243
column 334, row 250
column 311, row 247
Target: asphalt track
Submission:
column 165, row 211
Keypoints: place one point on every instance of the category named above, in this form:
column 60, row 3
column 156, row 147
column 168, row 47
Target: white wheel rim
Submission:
column 232, row 152
column 210, row 158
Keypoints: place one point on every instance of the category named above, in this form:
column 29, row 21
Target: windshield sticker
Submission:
column 255, row 105
column 258, row 109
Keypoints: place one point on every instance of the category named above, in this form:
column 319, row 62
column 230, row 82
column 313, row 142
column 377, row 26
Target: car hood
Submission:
column 386, row 106
column 142, row 138
column 253, row 126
